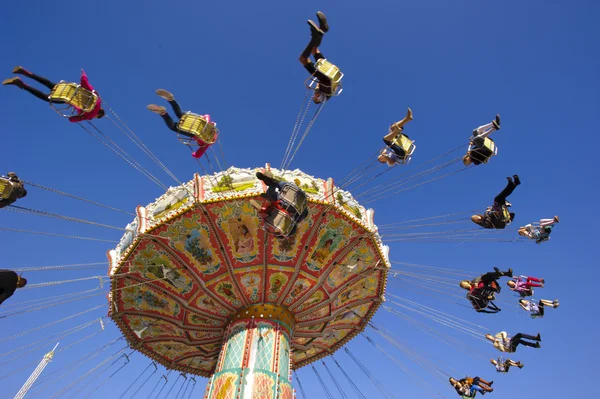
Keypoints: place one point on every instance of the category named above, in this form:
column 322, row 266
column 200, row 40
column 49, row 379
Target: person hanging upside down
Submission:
column 537, row 310
column 96, row 112
column 295, row 208
column 162, row 111
column 325, row 88
column 539, row 233
column 11, row 189
column 505, row 344
column 469, row 387
column 523, row 285
column 482, row 290
column 478, row 152
column 502, row 365
column 394, row 152
column 9, row 282
column 497, row 216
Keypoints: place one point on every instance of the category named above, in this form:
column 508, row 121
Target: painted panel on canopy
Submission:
column 224, row 288
column 210, row 348
column 171, row 350
column 301, row 341
column 365, row 288
column 152, row 262
column 150, row 327
column 238, row 227
column 317, row 314
column 168, row 203
column 207, row 304
column 359, row 259
column 250, row 281
column 309, row 328
column 285, row 251
column 303, row 283
column 334, row 233
column 306, row 354
column 332, row 337
column 198, row 362
column 145, row 298
column 316, row 298
column 203, row 321
column 190, row 236
column 351, row 316
column 201, row 336
column 278, row 279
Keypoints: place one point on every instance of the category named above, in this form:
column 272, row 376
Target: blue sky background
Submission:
column 456, row 64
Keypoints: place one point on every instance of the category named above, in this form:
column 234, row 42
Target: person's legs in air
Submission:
column 162, row 111
column 545, row 302
column 481, row 382
column 520, row 339
column 396, row 128
column 171, row 99
column 40, row 79
column 535, row 282
column 508, row 190
column 548, row 222
column 495, row 275
column 312, row 47
column 19, row 83
column 487, row 129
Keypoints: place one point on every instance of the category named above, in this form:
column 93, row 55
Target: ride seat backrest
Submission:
column 331, row 71
column 291, row 196
column 74, row 95
column 199, row 127
column 6, row 188
column 404, row 142
column 485, row 152
column 280, row 222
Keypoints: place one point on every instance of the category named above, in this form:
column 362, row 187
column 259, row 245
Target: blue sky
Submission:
column 456, row 64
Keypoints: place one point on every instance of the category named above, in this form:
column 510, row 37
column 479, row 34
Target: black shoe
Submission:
column 509, row 273
column 517, row 180
column 538, row 337
column 491, row 382
column 314, row 30
column 510, row 179
column 496, row 122
column 537, row 345
column 497, row 270
column 323, row 25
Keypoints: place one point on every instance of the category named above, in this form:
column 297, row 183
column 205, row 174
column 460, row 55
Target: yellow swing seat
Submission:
column 332, row 72
column 293, row 200
column 280, row 223
column 72, row 97
column 484, row 153
column 6, row 188
column 407, row 145
column 504, row 214
column 195, row 124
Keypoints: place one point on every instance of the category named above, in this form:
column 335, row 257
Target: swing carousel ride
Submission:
column 200, row 288
column 219, row 279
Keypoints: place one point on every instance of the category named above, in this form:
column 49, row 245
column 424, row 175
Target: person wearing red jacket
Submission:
column 97, row 112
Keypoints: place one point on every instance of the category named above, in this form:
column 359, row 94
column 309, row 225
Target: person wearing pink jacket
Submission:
column 97, row 112
column 162, row 111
